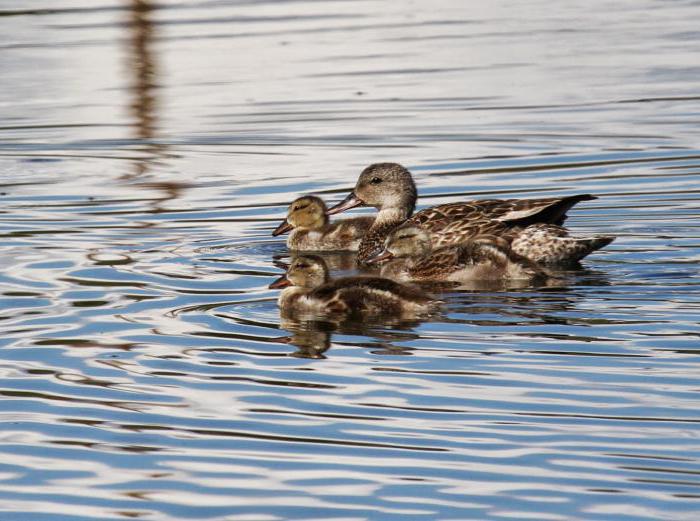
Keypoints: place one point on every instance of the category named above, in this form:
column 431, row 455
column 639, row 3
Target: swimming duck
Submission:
column 312, row 231
column 389, row 187
column 309, row 289
column 410, row 256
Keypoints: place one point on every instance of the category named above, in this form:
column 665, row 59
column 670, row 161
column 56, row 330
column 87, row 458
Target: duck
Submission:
column 311, row 230
column 533, row 227
column 408, row 255
column 307, row 288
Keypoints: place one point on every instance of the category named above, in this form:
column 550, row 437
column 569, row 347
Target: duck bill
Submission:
column 351, row 201
column 380, row 257
column 282, row 282
column 284, row 227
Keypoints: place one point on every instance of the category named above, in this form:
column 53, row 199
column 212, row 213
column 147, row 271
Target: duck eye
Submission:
column 376, row 180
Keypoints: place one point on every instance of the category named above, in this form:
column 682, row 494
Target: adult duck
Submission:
column 312, row 231
column 531, row 226
column 409, row 256
column 307, row 288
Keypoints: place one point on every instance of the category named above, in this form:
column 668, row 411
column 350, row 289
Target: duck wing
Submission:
column 352, row 294
column 524, row 212
column 552, row 245
column 453, row 223
column 440, row 264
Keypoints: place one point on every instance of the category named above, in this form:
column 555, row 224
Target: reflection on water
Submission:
column 148, row 149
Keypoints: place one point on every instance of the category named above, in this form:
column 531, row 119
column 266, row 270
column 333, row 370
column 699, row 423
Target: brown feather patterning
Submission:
column 453, row 223
column 373, row 296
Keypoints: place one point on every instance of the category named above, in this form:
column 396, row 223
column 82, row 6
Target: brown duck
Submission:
column 312, row 231
column 410, row 257
column 308, row 289
column 531, row 226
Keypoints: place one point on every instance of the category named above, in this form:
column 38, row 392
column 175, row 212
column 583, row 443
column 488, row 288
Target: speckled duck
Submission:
column 532, row 227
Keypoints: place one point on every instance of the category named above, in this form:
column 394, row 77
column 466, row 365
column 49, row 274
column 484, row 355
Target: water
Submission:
column 147, row 154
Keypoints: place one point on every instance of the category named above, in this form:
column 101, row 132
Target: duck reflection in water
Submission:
column 312, row 338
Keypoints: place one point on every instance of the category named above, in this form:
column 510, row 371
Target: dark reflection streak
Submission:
column 605, row 490
column 144, row 105
column 567, row 166
column 240, row 19
column 407, row 408
column 318, row 415
column 235, row 336
column 280, row 383
column 672, row 471
column 579, row 353
column 247, row 321
column 203, row 308
column 647, row 456
column 313, row 441
column 665, row 481
column 95, row 445
column 606, row 417
column 446, row 373
column 271, row 437
column 142, row 65
column 61, row 10
column 240, row 351
column 65, row 155
column 130, row 406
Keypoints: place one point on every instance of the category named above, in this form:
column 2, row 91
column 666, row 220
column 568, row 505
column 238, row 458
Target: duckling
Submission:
column 312, row 231
column 390, row 188
column 412, row 258
column 309, row 289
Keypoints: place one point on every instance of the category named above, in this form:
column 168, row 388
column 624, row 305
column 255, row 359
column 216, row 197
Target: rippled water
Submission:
column 146, row 153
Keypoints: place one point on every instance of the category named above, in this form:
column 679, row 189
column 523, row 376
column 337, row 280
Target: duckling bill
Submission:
column 311, row 230
column 307, row 288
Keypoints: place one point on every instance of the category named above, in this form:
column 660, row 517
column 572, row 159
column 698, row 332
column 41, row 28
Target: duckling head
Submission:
column 406, row 241
column 308, row 272
column 306, row 213
column 384, row 186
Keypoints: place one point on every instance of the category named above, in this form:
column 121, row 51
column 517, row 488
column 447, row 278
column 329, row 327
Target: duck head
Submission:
column 384, row 186
column 405, row 241
column 306, row 213
column 309, row 271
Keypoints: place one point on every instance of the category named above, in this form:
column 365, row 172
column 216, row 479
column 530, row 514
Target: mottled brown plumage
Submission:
column 552, row 245
column 390, row 188
column 312, row 231
column 313, row 292
column 411, row 257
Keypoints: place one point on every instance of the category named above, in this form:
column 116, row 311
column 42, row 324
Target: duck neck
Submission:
column 290, row 295
column 391, row 216
column 399, row 206
column 373, row 241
